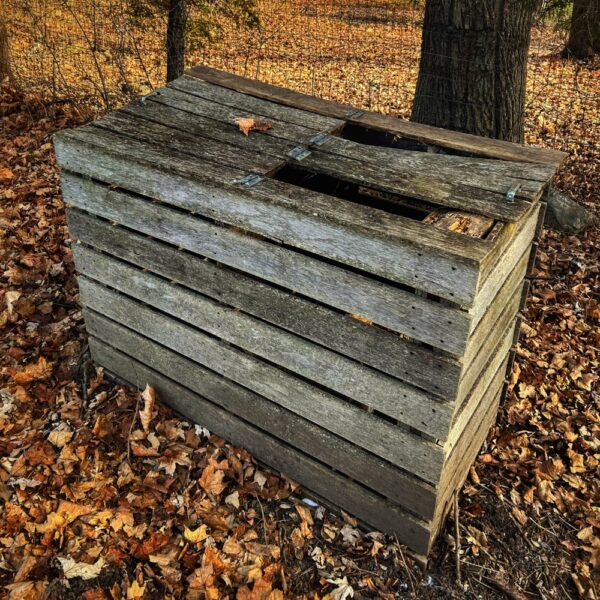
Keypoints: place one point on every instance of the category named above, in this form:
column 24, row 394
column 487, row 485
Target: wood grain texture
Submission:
column 473, row 368
column 400, row 249
column 380, row 392
column 325, row 482
column 369, row 344
column 419, row 318
column 403, row 449
column 400, row 487
column 519, row 244
column 453, row 140
column 347, row 160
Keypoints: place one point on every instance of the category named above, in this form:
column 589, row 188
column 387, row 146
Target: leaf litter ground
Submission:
column 105, row 493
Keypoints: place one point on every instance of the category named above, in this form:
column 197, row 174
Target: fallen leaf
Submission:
column 149, row 398
column 211, row 479
column 39, row 370
column 248, row 124
column 6, row 174
column 72, row 568
column 197, row 535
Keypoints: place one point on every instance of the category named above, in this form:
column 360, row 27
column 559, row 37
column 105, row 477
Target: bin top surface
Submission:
column 447, row 189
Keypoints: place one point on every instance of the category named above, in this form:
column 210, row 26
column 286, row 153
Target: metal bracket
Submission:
column 512, row 193
column 298, row 153
column 250, row 180
column 319, row 139
column 354, row 114
column 152, row 93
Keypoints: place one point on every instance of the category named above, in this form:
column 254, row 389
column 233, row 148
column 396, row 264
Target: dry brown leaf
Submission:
column 149, row 398
column 211, row 479
column 248, row 124
column 40, row 370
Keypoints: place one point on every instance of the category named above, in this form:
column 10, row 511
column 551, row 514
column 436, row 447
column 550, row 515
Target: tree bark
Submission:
column 584, row 33
column 176, row 26
column 473, row 67
column 5, row 66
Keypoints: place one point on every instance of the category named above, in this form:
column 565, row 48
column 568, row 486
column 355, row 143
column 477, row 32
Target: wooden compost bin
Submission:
column 337, row 294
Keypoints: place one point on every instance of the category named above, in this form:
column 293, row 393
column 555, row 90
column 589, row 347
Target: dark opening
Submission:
column 346, row 190
column 376, row 137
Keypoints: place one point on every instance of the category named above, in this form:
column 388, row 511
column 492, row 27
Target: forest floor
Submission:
column 92, row 506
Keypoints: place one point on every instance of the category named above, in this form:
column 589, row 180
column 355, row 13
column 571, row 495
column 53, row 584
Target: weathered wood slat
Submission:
column 263, row 210
column 520, row 244
column 375, row 173
column 213, row 121
column 372, row 345
column 464, row 454
column 403, row 449
column 428, row 321
column 412, row 494
column 337, row 488
column 486, row 174
column 247, row 105
column 453, row 140
column 495, row 310
column 473, row 368
column 383, row 393
column 493, row 374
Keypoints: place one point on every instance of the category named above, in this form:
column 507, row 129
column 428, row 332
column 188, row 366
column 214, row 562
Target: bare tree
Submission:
column 584, row 33
column 5, row 66
column 473, row 66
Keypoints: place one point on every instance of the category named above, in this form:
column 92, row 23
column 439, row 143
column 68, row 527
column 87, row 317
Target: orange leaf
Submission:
column 248, row 124
column 42, row 369
column 6, row 174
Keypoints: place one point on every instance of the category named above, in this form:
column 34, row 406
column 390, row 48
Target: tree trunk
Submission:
column 584, row 34
column 473, row 67
column 5, row 68
column 176, row 26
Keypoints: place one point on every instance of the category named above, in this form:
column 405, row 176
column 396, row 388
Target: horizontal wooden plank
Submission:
column 409, row 492
column 324, row 481
column 403, row 449
column 500, row 242
column 399, row 310
column 251, row 106
column 211, row 120
column 353, row 166
column 372, row 345
column 453, row 140
column 486, row 174
column 388, row 395
column 261, row 209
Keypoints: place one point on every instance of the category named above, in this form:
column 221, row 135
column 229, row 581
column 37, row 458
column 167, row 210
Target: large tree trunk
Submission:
column 473, row 66
column 176, row 26
column 5, row 68
column 584, row 34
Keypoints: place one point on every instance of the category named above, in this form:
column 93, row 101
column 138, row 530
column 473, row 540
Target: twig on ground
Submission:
column 457, row 540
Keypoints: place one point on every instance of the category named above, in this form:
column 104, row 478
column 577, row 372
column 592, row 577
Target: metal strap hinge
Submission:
column 512, row 193
column 319, row 139
column 299, row 153
column 250, row 180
